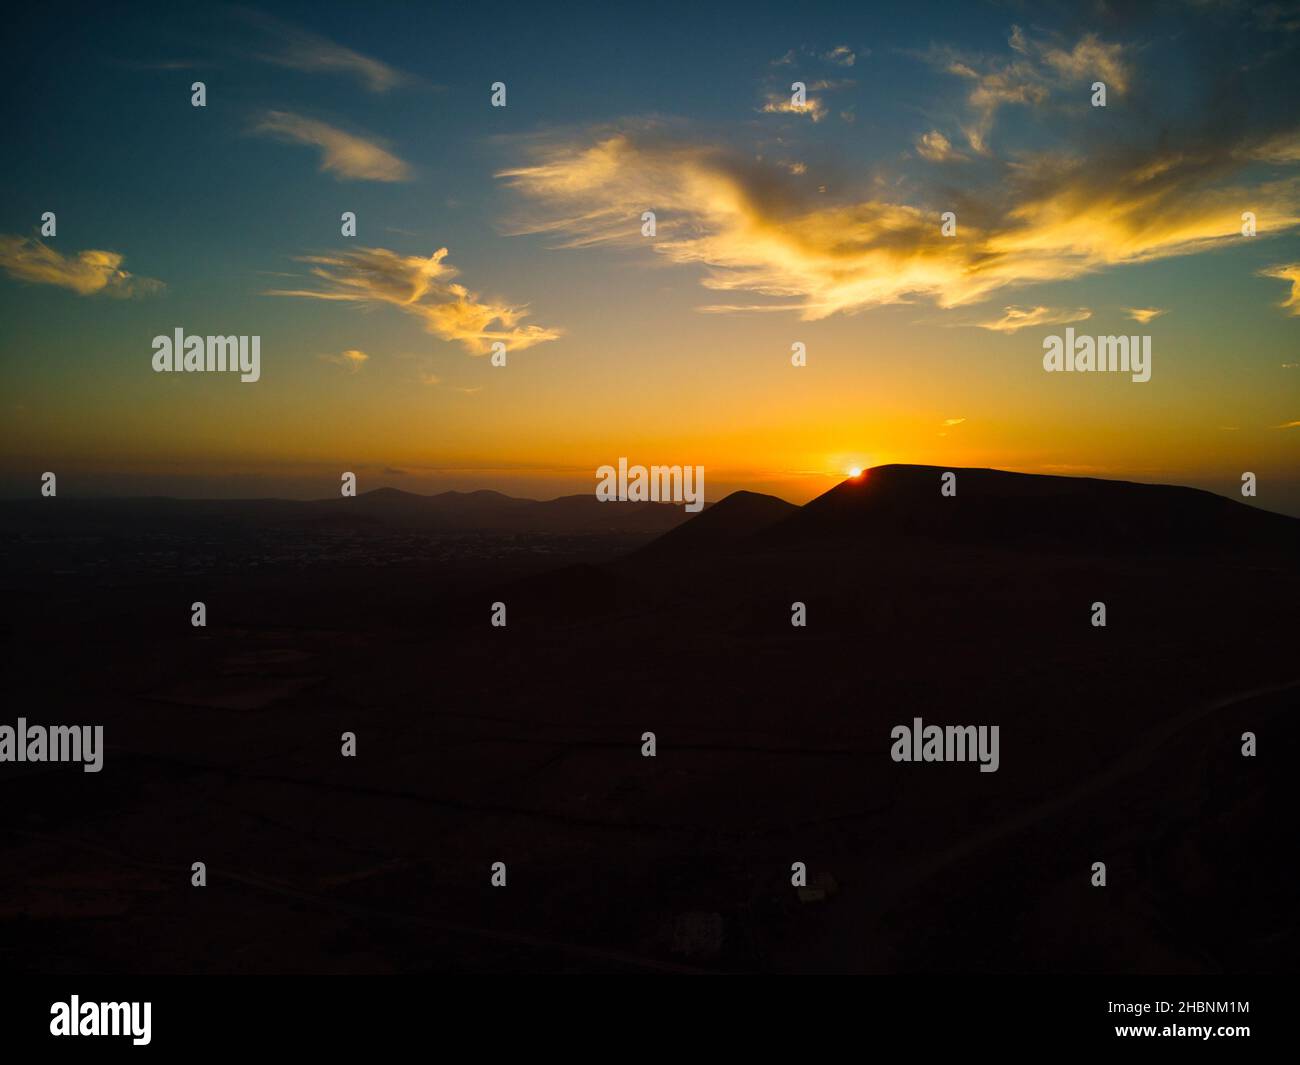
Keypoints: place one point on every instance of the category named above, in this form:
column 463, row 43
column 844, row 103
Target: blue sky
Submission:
column 919, row 108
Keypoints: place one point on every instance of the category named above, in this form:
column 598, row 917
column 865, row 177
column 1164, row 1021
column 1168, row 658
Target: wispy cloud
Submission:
column 953, row 421
column 299, row 49
column 841, row 55
column 424, row 288
column 781, row 104
column 344, row 154
column 352, row 358
column 86, row 273
column 831, row 84
column 1142, row 315
column 937, row 148
column 1288, row 425
column 1287, row 272
column 1283, row 148
column 1029, row 77
column 1090, row 59
column 1017, row 318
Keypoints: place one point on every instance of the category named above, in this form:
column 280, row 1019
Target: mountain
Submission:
column 896, row 504
column 727, row 522
column 995, row 508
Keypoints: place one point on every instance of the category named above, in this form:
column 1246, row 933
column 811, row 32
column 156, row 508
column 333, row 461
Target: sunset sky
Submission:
column 776, row 225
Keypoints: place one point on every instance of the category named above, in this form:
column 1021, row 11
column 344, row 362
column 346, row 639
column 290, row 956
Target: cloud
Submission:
column 754, row 228
column 1037, row 69
column 1288, row 425
column 935, row 147
column 299, row 49
column 1289, row 272
column 1017, row 82
column 87, row 273
column 344, row 154
column 953, row 421
column 1017, row 318
column 351, row 358
column 1091, row 59
column 424, row 288
column 831, row 84
column 1142, row 315
column 1070, row 195
column 781, row 104
column 1283, row 148
column 841, row 55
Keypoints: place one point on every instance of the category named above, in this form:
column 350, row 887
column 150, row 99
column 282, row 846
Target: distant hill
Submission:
column 451, row 513
column 897, row 504
column 730, row 520
column 445, row 512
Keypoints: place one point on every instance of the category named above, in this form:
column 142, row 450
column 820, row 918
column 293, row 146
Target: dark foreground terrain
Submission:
column 523, row 745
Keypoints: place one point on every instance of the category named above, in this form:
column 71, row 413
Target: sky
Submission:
column 776, row 223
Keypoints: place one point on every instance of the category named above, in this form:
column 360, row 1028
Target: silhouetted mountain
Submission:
column 1120, row 743
column 739, row 515
column 997, row 508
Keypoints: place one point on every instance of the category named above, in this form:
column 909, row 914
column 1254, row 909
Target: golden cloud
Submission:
column 1016, row 318
column 374, row 277
column 344, row 154
column 1289, row 272
column 1142, row 315
column 352, row 358
column 756, row 229
column 779, row 104
column 935, row 147
column 87, row 273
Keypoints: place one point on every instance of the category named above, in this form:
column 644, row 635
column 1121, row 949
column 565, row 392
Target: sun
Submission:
column 855, row 471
